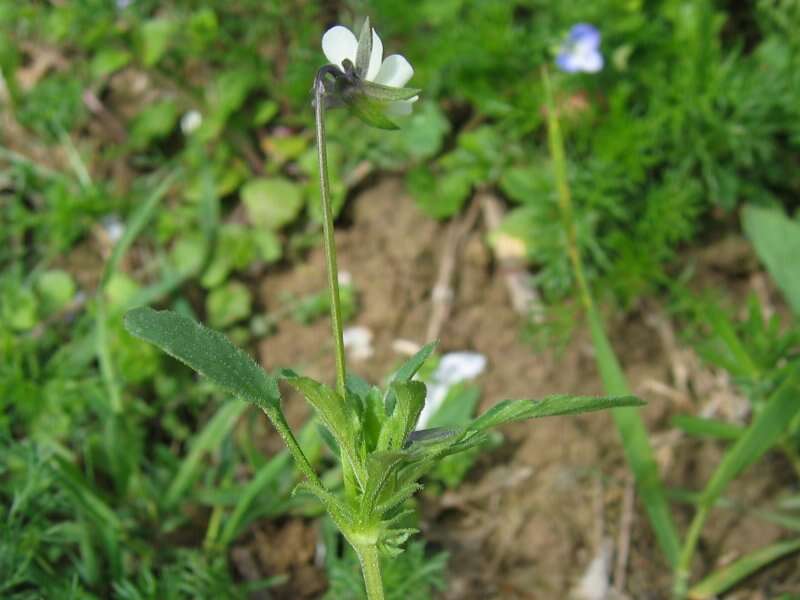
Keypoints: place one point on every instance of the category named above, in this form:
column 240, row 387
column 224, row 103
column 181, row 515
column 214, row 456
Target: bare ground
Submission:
column 533, row 514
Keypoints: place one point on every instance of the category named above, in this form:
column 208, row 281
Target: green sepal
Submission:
column 372, row 112
column 364, row 49
column 386, row 93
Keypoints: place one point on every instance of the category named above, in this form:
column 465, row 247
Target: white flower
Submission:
column 340, row 44
column 454, row 368
column 358, row 342
column 191, row 121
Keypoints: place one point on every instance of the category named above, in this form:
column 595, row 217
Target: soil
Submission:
column 534, row 513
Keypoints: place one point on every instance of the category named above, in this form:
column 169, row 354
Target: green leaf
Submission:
column 267, row 245
column 635, row 442
column 410, row 399
column 55, row 289
column 518, row 410
column 711, row 428
column 264, row 479
column 154, row 122
column 763, row 433
column 272, row 202
column 776, row 239
column 108, row 60
column 337, row 417
column 338, row 510
column 406, row 371
column 206, row 351
column 83, row 495
column 458, row 407
column 154, row 37
column 724, row 579
column 381, row 466
column 208, row 440
column 409, row 368
column 228, row 304
column 441, row 195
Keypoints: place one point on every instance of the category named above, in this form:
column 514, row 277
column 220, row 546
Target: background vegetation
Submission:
column 162, row 153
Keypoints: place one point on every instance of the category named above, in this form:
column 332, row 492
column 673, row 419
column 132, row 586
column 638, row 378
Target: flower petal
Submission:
column 375, row 58
column 339, row 43
column 584, row 33
column 590, row 62
column 566, row 62
column 400, row 108
column 395, row 71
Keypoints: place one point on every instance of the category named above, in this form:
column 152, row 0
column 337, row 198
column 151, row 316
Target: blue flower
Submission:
column 581, row 52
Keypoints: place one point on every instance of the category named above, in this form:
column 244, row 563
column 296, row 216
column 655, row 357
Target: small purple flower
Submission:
column 581, row 51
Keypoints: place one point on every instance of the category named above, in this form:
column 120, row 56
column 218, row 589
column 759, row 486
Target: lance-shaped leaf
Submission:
column 337, row 417
column 409, row 368
column 730, row 575
column 406, row 371
column 381, row 469
column 410, row 399
column 518, row 410
column 387, row 93
column 206, row 351
column 338, row 510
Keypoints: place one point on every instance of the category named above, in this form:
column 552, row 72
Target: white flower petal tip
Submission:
column 459, row 366
column 191, row 121
column 338, row 44
column 375, row 57
column 453, row 368
column 358, row 342
column 395, row 71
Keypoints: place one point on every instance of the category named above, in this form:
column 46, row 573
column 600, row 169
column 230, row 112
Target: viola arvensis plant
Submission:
column 361, row 78
column 372, row 432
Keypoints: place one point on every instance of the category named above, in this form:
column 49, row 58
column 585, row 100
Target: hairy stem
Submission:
column 327, row 229
column 371, row 568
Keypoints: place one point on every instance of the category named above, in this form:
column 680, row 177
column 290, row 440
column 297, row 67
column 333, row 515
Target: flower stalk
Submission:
column 327, row 229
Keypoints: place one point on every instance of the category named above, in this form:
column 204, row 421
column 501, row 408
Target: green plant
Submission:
column 773, row 380
column 372, row 431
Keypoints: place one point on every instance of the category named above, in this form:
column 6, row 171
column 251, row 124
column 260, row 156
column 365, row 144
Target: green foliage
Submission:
column 415, row 574
column 777, row 242
column 382, row 455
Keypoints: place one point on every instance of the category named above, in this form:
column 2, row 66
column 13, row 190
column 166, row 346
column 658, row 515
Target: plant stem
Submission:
column 327, row 229
column 371, row 568
column 565, row 196
column 638, row 451
column 684, row 567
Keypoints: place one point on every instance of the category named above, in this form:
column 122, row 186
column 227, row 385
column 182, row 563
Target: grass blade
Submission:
column 633, row 432
column 636, row 444
column 727, row 577
column 206, row 441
